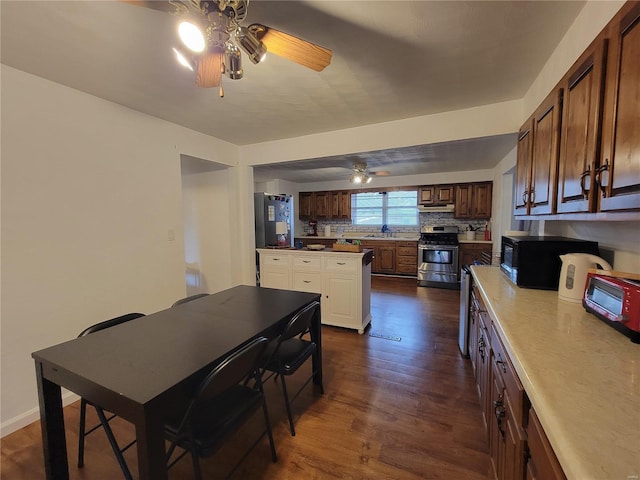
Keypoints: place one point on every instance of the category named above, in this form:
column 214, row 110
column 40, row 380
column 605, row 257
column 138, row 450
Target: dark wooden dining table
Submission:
column 139, row 369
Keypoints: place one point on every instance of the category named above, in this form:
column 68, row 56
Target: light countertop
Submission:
column 581, row 376
column 398, row 237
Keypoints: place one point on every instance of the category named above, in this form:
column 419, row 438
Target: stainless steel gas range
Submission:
column 438, row 257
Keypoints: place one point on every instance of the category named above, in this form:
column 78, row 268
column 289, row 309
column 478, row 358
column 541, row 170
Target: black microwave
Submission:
column 534, row 262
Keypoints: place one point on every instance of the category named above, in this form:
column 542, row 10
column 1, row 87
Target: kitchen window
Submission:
column 398, row 208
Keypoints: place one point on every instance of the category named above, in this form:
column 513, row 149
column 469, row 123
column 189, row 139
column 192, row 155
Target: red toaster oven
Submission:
column 616, row 301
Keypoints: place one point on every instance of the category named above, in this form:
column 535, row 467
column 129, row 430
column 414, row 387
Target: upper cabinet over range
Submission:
column 580, row 150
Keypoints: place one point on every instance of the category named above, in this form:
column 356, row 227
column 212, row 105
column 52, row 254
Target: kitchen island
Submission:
column 581, row 378
column 342, row 278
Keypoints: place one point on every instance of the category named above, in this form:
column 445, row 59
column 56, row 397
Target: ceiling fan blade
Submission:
column 209, row 70
column 293, row 48
column 162, row 6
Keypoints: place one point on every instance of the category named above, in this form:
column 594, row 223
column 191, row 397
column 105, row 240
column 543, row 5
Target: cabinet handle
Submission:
column 500, row 412
column 341, row 263
column 501, row 364
column 600, row 176
column 481, row 345
column 306, row 261
column 276, row 259
column 583, row 175
column 306, row 281
column 524, row 197
column 532, row 196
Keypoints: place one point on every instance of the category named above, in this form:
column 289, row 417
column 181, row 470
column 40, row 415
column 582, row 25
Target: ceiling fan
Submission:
column 361, row 175
column 213, row 33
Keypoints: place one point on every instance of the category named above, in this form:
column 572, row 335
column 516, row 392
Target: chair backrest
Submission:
column 189, row 298
column 110, row 323
column 233, row 370
column 300, row 322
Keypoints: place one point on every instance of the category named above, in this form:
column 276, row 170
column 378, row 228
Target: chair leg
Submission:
column 197, row 473
column 81, row 434
column 288, row 405
column 114, row 444
column 267, row 421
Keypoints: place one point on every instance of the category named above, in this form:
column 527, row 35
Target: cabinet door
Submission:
column 334, row 200
column 445, row 194
column 546, row 136
column 387, row 260
column 427, row 195
column 305, row 205
column 619, row 175
column 340, row 295
column 463, row 201
column 322, row 209
column 524, row 163
column 542, row 463
column 583, row 88
column 345, row 205
column 481, row 199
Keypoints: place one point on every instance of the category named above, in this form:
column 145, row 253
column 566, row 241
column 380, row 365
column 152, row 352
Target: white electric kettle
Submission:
column 573, row 275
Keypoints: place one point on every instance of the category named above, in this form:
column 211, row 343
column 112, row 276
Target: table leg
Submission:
column 152, row 464
column 54, row 443
column 316, row 359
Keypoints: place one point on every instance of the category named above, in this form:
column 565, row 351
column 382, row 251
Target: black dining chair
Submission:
column 225, row 399
column 288, row 352
column 102, row 416
column 189, row 298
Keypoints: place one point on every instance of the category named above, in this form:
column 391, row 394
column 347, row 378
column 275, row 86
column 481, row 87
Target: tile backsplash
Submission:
column 430, row 218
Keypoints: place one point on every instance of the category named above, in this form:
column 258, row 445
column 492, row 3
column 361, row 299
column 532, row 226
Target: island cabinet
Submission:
column 473, row 200
column 342, row 279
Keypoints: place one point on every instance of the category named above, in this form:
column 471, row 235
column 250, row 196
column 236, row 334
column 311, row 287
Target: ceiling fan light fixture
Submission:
column 182, row 59
column 191, row 36
column 254, row 48
column 233, row 62
column 360, row 175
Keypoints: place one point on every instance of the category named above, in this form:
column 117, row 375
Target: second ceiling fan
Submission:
column 213, row 37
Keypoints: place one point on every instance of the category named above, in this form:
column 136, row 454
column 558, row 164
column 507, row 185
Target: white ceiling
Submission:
column 391, row 60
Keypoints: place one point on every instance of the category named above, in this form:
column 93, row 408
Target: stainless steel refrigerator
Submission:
column 273, row 220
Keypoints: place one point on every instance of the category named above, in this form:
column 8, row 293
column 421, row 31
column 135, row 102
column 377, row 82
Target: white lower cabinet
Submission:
column 342, row 279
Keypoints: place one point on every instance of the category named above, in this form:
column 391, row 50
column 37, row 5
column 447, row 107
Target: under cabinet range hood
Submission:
column 440, row 208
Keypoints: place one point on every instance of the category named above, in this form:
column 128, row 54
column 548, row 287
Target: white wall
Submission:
column 207, row 231
column 90, row 191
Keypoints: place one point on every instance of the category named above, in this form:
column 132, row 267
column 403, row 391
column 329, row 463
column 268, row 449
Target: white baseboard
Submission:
column 32, row 415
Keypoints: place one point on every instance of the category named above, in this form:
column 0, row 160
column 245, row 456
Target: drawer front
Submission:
column 407, row 269
column 342, row 264
column 413, row 245
column 275, row 259
column 408, row 251
column 307, row 282
column 311, row 262
column 505, row 369
column 405, row 260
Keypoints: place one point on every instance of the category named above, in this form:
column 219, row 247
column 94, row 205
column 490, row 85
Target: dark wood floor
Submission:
column 392, row 409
